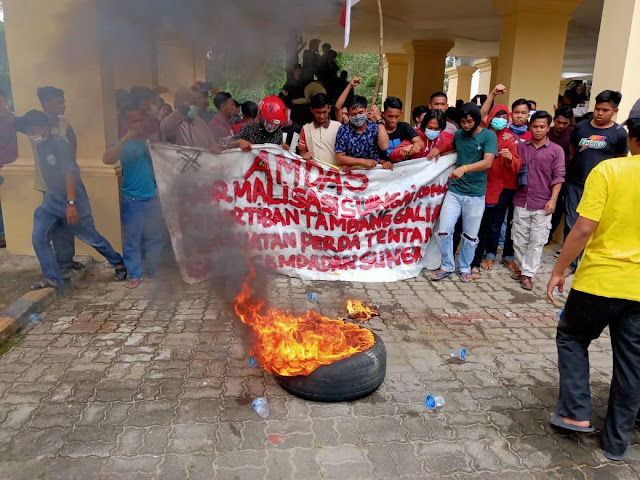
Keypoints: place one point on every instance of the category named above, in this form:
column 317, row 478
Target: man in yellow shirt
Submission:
column 605, row 291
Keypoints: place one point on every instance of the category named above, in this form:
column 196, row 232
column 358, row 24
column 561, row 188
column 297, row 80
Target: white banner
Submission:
column 303, row 219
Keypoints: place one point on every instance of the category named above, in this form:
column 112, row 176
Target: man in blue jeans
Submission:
column 65, row 200
column 140, row 211
column 476, row 148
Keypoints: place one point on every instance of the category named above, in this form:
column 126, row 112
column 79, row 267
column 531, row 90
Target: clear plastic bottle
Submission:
column 459, row 354
column 261, row 407
column 433, row 403
column 314, row 297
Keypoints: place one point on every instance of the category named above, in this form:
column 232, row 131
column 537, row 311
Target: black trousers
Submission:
column 584, row 318
column 572, row 196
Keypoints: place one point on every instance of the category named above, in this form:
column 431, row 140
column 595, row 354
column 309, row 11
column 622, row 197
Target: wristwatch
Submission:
column 380, row 122
column 71, row 202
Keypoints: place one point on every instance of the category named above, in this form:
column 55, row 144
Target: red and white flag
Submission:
column 345, row 19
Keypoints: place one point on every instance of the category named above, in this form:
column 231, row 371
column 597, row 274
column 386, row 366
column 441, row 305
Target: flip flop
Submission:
column 466, row 277
column 42, row 284
column 557, row 421
column 487, row 264
column 133, row 283
column 476, row 273
column 438, row 275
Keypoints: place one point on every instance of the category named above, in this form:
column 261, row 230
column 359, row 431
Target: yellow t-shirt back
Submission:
column 610, row 266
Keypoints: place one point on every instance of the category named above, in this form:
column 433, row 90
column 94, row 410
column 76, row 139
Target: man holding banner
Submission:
column 318, row 138
column 476, row 147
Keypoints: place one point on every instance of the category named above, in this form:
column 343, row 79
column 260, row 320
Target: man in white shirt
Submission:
column 318, row 138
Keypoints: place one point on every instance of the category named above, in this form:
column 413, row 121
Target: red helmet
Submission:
column 272, row 113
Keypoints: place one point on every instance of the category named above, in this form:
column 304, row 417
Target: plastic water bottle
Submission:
column 556, row 292
column 261, row 407
column 34, row 318
column 253, row 362
column 314, row 297
column 433, row 403
column 459, row 354
column 560, row 314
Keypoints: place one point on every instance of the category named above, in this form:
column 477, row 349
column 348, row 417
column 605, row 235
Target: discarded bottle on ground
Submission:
column 34, row 318
column 261, row 407
column 460, row 354
column 314, row 297
column 253, row 362
column 433, row 403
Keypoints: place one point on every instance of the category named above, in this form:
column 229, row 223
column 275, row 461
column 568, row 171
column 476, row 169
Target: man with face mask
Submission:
column 359, row 142
column 65, row 200
column 476, row 147
column 501, row 186
column 520, row 110
column 53, row 104
column 184, row 126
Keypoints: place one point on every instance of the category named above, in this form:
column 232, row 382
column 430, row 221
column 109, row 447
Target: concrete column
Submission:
column 396, row 67
column 178, row 63
column 488, row 72
column 76, row 59
column 459, row 83
column 426, row 70
column 617, row 64
column 532, row 42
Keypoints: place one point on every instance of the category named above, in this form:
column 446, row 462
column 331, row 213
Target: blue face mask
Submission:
column 518, row 130
column 499, row 123
column 193, row 112
column 432, row 134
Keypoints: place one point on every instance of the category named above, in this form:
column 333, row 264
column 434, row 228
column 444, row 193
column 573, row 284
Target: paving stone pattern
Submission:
column 154, row 383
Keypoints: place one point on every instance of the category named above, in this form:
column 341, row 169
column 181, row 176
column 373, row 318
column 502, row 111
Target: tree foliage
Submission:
column 245, row 84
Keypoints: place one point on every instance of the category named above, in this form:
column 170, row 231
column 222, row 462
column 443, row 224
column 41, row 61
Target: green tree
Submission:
column 365, row 66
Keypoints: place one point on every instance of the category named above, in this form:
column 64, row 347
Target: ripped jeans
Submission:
column 471, row 209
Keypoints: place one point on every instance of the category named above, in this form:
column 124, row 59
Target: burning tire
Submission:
column 347, row 379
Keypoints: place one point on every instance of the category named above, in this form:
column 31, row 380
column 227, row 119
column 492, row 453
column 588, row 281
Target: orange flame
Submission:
column 361, row 312
column 290, row 344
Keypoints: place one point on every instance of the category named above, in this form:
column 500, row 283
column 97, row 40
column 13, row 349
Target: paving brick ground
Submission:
column 155, row 383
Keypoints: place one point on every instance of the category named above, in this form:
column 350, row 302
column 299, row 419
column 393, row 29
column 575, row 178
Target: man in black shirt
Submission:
column 591, row 143
column 398, row 132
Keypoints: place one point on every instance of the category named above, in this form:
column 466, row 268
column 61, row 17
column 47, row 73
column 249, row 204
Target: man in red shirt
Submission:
column 501, row 177
column 220, row 126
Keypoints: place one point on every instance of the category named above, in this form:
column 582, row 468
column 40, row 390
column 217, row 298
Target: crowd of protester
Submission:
column 518, row 172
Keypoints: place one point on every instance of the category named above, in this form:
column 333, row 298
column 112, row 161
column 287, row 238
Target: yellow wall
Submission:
column 426, row 70
column 532, row 48
column 618, row 57
column 460, row 83
column 396, row 69
column 44, row 54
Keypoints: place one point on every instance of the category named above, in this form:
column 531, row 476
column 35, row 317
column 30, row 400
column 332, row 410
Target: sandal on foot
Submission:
column 438, row 275
column 466, row 277
column 133, row 283
column 557, row 421
column 42, row 284
column 120, row 275
column 475, row 273
column 511, row 265
column 487, row 264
